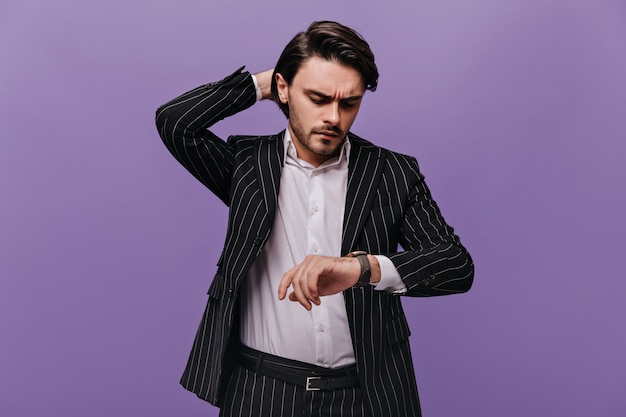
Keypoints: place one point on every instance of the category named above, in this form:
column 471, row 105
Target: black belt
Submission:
column 312, row 378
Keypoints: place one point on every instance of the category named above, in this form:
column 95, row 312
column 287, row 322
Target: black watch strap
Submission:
column 366, row 269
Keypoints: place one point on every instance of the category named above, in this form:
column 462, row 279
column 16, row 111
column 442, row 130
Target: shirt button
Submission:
column 316, row 249
column 316, row 209
column 321, row 328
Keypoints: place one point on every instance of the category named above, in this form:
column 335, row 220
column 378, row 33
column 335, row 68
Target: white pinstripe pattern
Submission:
column 388, row 204
column 249, row 394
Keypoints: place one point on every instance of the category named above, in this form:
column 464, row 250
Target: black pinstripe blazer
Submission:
column 387, row 203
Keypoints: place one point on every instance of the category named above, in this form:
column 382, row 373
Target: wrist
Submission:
column 365, row 275
column 375, row 267
column 264, row 83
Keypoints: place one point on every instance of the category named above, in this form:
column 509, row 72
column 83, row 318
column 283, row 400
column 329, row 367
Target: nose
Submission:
column 332, row 116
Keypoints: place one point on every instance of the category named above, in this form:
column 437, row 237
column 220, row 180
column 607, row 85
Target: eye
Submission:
column 317, row 100
column 347, row 104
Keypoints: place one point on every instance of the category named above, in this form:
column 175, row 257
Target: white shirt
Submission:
column 309, row 220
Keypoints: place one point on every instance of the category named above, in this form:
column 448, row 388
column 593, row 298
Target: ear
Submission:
column 282, row 88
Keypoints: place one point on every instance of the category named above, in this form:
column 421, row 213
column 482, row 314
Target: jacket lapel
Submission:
column 364, row 173
column 270, row 157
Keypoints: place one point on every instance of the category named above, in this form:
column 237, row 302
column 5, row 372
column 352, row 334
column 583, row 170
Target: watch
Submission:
column 366, row 269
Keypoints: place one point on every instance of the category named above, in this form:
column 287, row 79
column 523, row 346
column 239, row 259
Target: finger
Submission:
column 306, row 279
column 292, row 297
column 298, row 295
column 313, row 287
column 285, row 282
column 292, row 277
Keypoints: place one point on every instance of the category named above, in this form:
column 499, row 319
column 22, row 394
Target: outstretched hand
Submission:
column 317, row 276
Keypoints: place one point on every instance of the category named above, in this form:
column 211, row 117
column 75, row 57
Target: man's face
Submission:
column 324, row 99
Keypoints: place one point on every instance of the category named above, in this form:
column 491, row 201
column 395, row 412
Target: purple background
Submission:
column 516, row 111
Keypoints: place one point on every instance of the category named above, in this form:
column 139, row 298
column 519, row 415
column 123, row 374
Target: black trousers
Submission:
column 252, row 395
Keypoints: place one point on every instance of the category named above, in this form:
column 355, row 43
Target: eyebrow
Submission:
column 327, row 97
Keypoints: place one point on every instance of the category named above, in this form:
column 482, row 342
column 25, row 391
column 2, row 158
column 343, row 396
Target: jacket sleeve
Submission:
column 434, row 261
column 183, row 122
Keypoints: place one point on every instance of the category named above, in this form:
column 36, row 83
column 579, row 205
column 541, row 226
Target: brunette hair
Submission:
column 331, row 41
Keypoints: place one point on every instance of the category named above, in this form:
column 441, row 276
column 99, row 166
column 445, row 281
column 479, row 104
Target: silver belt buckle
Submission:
column 308, row 383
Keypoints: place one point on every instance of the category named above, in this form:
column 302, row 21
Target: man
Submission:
column 322, row 211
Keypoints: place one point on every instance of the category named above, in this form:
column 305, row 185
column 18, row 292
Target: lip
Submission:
column 328, row 135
